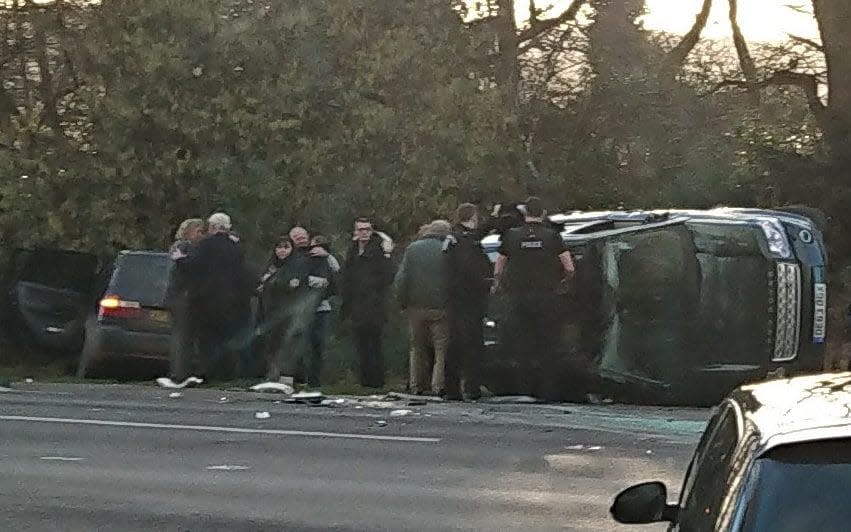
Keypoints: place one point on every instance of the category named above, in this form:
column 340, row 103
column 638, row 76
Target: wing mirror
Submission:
column 642, row 504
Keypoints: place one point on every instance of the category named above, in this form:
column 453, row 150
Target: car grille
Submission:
column 788, row 324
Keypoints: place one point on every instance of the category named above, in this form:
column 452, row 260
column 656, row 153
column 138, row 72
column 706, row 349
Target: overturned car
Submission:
column 681, row 306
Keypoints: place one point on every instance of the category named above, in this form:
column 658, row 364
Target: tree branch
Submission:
column 809, row 42
column 677, row 56
column 807, row 82
column 539, row 27
column 745, row 59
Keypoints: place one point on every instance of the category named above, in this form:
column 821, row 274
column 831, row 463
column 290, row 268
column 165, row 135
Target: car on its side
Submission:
column 682, row 306
column 775, row 457
column 133, row 318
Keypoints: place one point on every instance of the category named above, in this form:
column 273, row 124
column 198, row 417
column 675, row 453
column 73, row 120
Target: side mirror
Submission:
column 642, row 504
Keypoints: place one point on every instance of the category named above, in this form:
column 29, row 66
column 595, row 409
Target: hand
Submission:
column 319, row 252
column 317, row 282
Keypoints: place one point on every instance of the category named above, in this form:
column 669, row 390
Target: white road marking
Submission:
column 62, row 458
column 213, row 428
column 226, row 467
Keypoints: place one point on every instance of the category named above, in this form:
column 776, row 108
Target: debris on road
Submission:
column 175, row 395
column 333, row 402
column 381, row 423
column 274, row 387
column 510, row 400
column 223, row 399
column 227, row 467
column 401, row 413
column 308, row 397
column 165, row 382
column 29, row 381
column 397, row 396
column 583, row 448
column 262, row 415
column 649, row 452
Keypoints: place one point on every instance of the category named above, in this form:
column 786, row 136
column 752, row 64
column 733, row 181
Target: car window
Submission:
column 142, row 277
column 66, row 270
column 706, row 483
column 801, row 487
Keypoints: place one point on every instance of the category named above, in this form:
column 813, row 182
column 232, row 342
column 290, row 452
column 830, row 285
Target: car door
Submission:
column 50, row 295
column 641, row 283
column 706, row 485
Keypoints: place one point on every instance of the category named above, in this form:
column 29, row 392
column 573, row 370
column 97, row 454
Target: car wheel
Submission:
column 92, row 350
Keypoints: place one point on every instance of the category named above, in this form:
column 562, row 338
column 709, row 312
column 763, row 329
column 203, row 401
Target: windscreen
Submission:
column 802, row 487
column 66, row 270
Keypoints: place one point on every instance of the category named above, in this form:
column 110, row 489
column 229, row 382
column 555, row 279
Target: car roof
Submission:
column 796, row 410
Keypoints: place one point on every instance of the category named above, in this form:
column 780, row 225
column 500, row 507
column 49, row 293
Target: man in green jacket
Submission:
column 421, row 288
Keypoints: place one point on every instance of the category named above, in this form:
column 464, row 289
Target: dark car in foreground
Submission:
column 133, row 319
column 683, row 306
column 775, row 457
column 47, row 294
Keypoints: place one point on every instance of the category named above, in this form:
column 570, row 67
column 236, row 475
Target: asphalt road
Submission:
column 76, row 457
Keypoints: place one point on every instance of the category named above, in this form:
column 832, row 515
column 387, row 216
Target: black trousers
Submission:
column 466, row 351
column 531, row 339
column 368, row 340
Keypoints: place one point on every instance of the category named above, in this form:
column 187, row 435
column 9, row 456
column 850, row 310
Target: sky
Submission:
column 760, row 20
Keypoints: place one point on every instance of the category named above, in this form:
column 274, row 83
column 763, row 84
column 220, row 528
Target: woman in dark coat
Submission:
column 284, row 292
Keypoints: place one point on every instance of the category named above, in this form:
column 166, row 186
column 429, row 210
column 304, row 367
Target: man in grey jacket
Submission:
column 421, row 288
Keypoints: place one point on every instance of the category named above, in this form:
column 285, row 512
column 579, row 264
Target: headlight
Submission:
column 777, row 242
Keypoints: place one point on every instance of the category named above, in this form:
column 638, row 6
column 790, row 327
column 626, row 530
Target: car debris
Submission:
column 165, row 382
column 510, row 400
column 308, row 397
column 273, row 387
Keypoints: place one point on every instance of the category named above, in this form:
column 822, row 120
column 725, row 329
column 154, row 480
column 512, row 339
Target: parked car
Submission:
column 775, row 456
column 683, row 306
column 46, row 296
column 132, row 319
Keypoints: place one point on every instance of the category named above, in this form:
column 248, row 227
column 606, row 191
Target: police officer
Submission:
column 533, row 261
column 468, row 270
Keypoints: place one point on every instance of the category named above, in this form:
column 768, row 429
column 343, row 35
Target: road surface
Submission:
column 87, row 457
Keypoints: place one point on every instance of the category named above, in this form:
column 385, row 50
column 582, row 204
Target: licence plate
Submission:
column 161, row 316
column 819, row 312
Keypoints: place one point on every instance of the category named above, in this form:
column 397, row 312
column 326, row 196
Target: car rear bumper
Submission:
column 119, row 341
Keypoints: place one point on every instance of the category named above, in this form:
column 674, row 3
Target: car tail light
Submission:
column 115, row 307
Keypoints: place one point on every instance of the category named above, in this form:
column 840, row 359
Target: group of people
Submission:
column 225, row 315
column 442, row 284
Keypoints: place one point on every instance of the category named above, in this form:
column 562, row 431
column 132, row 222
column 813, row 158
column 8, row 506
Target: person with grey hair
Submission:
column 220, row 297
column 184, row 338
column 421, row 290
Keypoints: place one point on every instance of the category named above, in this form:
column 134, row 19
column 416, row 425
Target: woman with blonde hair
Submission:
column 184, row 338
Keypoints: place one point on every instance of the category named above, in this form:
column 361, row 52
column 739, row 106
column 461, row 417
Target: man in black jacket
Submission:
column 220, row 296
column 469, row 271
column 367, row 277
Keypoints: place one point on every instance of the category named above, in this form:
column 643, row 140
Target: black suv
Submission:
column 133, row 317
column 776, row 456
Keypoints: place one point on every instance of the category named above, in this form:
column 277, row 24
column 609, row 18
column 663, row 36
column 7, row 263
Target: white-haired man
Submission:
column 221, row 297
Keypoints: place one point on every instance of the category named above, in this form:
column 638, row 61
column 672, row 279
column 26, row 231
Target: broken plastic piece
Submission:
column 277, row 387
column 165, row 382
